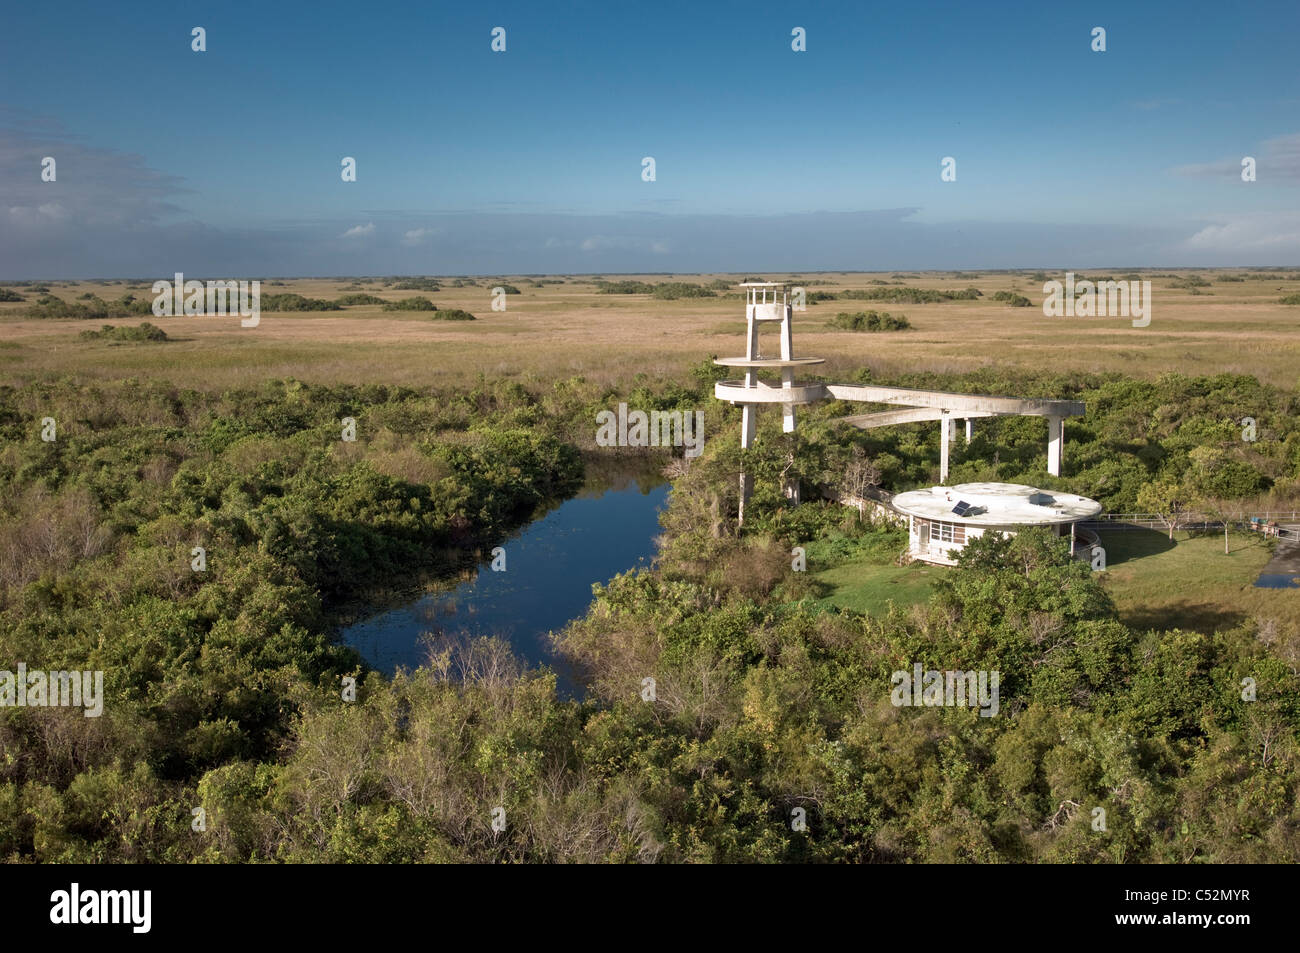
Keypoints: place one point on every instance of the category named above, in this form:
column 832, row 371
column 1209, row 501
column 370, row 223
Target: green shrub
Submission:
column 1013, row 299
column 130, row 304
column 908, row 295
column 51, row 306
column 624, row 288
column 7, row 294
column 672, row 290
column 411, row 304
column 296, row 302
column 664, row 290
column 360, row 298
column 417, row 284
column 453, row 314
column 869, row 321
column 141, row 332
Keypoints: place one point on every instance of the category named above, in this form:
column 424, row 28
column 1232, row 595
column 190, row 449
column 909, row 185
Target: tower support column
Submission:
column 787, row 373
column 945, row 444
column 1055, row 444
column 787, row 410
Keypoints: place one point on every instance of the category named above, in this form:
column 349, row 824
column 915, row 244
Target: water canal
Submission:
column 550, row 566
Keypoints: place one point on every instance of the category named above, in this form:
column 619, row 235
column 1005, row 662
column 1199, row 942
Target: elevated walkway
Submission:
column 770, row 302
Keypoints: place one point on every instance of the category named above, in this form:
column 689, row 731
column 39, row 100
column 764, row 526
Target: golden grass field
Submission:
column 561, row 330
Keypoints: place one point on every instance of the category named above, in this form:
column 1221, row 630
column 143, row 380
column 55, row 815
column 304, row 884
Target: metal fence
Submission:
column 1120, row 522
column 1276, row 516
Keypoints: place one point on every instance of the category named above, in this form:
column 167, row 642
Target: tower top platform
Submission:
column 766, row 361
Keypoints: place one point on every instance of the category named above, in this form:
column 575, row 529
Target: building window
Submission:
column 947, row 533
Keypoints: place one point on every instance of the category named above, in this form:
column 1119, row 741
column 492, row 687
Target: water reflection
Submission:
column 550, row 566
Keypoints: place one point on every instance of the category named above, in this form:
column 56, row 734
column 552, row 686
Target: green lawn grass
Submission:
column 869, row 587
column 1190, row 583
column 1157, row 583
column 861, row 572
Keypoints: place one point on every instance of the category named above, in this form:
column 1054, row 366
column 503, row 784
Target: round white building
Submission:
column 941, row 520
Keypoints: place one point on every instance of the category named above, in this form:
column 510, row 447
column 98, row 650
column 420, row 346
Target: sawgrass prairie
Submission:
column 567, row 327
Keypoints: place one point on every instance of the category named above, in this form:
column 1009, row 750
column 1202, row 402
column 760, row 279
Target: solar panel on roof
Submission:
column 962, row 508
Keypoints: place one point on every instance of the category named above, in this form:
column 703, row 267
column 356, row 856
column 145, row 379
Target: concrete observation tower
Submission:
column 767, row 302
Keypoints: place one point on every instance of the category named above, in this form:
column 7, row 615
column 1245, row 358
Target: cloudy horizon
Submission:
column 514, row 162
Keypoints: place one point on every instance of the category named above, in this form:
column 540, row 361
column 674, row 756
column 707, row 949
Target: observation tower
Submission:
column 767, row 302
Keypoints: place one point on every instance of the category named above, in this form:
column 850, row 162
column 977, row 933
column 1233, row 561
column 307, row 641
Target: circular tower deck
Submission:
column 767, row 301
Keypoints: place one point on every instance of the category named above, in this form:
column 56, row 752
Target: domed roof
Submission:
column 996, row 504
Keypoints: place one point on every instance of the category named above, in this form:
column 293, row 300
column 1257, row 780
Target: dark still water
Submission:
column 550, row 567
column 1275, row 580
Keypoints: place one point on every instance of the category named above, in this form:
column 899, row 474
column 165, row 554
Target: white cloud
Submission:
column 94, row 188
column 360, row 231
column 48, row 213
column 1263, row 232
column 621, row 243
column 1146, row 105
column 418, row 236
column 1277, row 160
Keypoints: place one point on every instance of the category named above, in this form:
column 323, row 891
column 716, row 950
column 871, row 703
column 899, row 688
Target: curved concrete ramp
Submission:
column 770, row 301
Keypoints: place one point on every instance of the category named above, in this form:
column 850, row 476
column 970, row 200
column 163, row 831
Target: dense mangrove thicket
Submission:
column 224, row 686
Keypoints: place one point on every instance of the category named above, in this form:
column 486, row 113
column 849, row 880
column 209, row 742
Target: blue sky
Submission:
column 470, row 161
